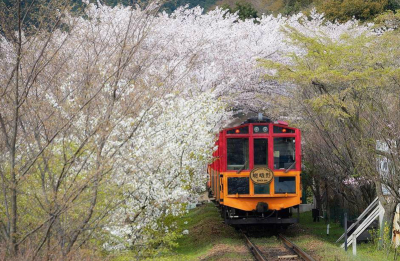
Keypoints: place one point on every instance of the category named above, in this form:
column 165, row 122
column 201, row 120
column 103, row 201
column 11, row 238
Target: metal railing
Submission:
column 361, row 217
column 373, row 211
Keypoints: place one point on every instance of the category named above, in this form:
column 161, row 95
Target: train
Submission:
column 255, row 177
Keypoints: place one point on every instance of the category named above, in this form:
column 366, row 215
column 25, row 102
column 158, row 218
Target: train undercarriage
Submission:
column 281, row 218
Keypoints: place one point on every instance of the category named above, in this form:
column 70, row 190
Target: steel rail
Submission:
column 296, row 249
column 254, row 250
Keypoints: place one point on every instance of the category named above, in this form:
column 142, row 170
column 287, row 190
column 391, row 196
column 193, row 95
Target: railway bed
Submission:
column 285, row 251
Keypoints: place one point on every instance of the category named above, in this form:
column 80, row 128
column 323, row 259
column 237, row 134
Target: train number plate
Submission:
column 261, row 175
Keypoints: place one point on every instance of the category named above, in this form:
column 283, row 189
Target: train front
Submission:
column 256, row 175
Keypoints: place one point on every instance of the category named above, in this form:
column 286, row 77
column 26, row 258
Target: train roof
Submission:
column 257, row 120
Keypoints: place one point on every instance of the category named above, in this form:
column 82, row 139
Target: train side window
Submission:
column 212, row 180
column 260, row 152
column 284, row 153
column 238, row 154
column 261, row 188
column 285, row 185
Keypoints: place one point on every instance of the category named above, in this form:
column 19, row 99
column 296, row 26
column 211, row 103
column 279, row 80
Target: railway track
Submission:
column 287, row 251
column 296, row 249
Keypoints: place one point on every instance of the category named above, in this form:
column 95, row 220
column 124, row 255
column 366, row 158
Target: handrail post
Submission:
column 345, row 231
column 354, row 245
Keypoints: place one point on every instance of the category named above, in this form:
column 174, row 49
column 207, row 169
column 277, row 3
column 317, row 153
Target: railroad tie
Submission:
column 288, row 257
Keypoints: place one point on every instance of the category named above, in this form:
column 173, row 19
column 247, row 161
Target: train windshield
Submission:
column 261, row 188
column 238, row 154
column 284, row 153
column 260, row 152
column 285, row 185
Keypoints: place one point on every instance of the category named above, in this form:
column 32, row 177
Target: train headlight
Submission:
column 260, row 129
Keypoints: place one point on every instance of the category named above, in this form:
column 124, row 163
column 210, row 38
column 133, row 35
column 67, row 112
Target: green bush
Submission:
column 295, row 6
column 246, row 10
column 344, row 10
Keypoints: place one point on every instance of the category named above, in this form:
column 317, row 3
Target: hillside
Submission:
column 261, row 6
column 340, row 10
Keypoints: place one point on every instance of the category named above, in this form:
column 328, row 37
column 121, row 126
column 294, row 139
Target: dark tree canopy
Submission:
column 364, row 10
column 245, row 10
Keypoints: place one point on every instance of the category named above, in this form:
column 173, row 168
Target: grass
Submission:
column 210, row 239
column 312, row 237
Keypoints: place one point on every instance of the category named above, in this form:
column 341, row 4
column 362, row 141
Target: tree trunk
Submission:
column 14, row 184
column 317, row 194
column 389, row 204
column 328, row 212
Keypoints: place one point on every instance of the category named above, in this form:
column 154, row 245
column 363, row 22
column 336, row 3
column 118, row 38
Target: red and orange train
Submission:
column 255, row 178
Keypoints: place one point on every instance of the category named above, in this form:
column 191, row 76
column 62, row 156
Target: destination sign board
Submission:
column 262, row 175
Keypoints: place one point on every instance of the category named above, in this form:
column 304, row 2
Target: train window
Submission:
column 284, row 153
column 238, row 186
column 282, row 130
column 285, row 185
column 261, row 188
column 238, row 154
column 260, row 152
column 260, row 129
column 242, row 130
column 213, row 180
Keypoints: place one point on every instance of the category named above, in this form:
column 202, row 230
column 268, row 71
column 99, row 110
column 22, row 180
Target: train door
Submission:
column 260, row 159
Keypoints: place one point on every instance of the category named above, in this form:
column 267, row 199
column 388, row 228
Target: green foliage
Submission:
column 344, row 10
column 382, row 241
column 295, row 6
column 389, row 19
column 38, row 15
column 164, row 239
column 342, row 73
column 170, row 6
column 393, row 5
column 307, row 181
column 40, row 198
column 245, row 10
